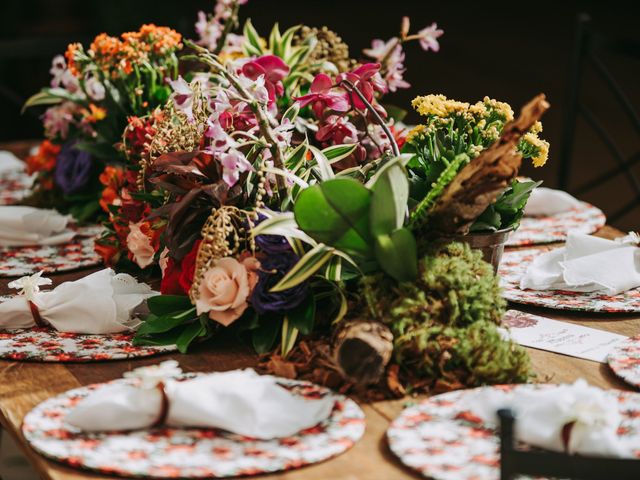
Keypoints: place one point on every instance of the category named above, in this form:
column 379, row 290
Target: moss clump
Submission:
column 445, row 323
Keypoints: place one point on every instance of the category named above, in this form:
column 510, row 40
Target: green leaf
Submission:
column 49, row 96
column 160, row 324
column 189, row 334
column 335, row 153
column 84, row 211
column 98, row 149
column 287, row 39
column 274, row 40
column 289, row 336
column 397, row 255
column 166, row 304
column 310, row 263
column 168, row 338
column 395, row 112
column 336, row 213
column 251, row 35
column 303, row 316
column 390, row 192
column 322, row 162
column 264, row 337
column 292, row 112
column 281, row 224
column 296, row 157
column 488, row 221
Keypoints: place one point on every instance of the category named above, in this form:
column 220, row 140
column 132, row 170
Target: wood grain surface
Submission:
column 23, row 385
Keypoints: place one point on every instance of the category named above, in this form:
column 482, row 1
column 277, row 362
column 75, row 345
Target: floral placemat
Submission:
column 14, row 186
column 514, row 265
column 440, row 440
column 79, row 253
column 624, row 360
column 537, row 230
column 48, row 345
column 189, row 452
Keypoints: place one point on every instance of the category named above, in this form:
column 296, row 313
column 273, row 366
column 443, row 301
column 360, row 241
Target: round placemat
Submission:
column 441, row 441
column 189, row 452
column 624, row 360
column 14, row 186
column 48, row 345
column 514, row 265
column 538, row 230
column 79, row 253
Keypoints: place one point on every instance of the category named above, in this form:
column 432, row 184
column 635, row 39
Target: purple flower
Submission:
column 272, row 244
column 273, row 268
column 73, row 168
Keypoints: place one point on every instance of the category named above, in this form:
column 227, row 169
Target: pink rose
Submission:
column 225, row 288
column 139, row 244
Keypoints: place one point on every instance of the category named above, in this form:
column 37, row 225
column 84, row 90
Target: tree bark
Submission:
column 362, row 349
column 480, row 182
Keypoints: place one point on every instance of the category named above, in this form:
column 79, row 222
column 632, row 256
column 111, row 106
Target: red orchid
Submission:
column 322, row 95
column 274, row 70
column 367, row 79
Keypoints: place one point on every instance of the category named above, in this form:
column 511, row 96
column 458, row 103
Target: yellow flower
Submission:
column 438, row 105
column 504, row 109
column 541, row 145
column 416, row 132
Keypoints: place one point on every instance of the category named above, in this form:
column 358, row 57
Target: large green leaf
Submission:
column 189, row 334
column 264, row 337
column 397, row 255
column 166, row 304
column 336, row 213
column 164, row 323
column 303, row 316
column 390, row 193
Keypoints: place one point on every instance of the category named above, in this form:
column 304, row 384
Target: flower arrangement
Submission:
column 92, row 93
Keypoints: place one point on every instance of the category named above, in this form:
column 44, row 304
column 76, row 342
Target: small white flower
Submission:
column 632, row 238
column 152, row 375
column 30, row 284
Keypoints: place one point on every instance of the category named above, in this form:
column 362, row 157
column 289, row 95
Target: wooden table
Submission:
column 23, row 385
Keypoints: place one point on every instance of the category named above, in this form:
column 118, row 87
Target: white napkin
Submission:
column 239, row 401
column 24, row 226
column 542, row 414
column 10, row 163
column 96, row 304
column 587, row 264
column 547, row 201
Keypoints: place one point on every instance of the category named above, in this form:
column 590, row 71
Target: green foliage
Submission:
column 508, row 209
column 445, row 322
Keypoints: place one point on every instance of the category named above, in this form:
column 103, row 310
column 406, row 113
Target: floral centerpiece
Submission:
column 92, row 94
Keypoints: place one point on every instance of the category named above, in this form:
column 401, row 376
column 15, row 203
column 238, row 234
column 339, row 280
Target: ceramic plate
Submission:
column 48, row 345
column 441, row 441
column 79, row 253
column 514, row 265
column 537, row 230
column 624, row 360
column 189, row 452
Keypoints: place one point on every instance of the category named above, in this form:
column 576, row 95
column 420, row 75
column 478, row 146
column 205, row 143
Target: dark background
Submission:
column 507, row 50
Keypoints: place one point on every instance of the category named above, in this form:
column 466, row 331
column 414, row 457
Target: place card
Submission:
column 560, row 337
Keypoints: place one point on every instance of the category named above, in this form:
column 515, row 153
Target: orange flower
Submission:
column 45, row 159
column 70, row 55
column 94, row 114
column 113, row 180
column 108, row 250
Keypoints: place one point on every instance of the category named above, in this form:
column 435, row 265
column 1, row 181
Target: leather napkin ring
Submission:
column 164, row 406
column 35, row 313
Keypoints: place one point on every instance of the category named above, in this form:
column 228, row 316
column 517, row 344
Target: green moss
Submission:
column 445, row 324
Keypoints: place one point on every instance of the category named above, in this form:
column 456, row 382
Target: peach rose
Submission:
column 139, row 244
column 163, row 261
column 225, row 289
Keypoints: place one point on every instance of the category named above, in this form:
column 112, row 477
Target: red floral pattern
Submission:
column 624, row 360
column 79, row 253
column 189, row 452
column 537, row 230
column 514, row 265
column 441, row 441
column 14, row 186
column 48, row 345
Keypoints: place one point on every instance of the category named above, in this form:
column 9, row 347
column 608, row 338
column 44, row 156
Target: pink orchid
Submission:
column 379, row 48
column 221, row 141
column 209, row 29
column 182, row 96
column 392, row 55
column 324, row 95
column 429, row 37
column 233, row 164
column 367, row 79
column 272, row 68
column 338, row 130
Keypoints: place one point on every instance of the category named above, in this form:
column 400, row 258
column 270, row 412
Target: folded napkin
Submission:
column 239, row 401
column 545, row 416
column 96, row 304
column 10, row 163
column 587, row 264
column 547, row 201
column 24, row 226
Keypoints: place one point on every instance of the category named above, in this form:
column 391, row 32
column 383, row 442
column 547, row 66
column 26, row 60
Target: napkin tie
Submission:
column 164, row 406
column 35, row 313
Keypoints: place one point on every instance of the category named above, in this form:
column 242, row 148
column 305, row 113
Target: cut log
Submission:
column 362, row 349
column 480, row 182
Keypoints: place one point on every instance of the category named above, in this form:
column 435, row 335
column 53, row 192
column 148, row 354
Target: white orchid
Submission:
column 29, row 285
